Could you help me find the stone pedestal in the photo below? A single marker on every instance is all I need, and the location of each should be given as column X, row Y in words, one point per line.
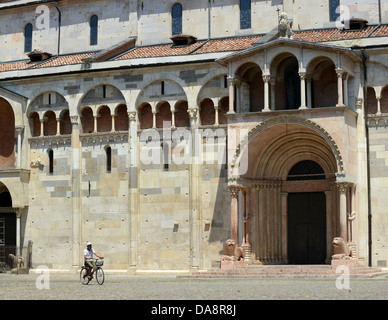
column 230, row 265
column 350, row 263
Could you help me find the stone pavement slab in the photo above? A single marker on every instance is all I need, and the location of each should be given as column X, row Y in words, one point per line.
column 167, row 288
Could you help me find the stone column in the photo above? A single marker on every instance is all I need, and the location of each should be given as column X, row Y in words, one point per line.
column 309, row 92
column 266, row 79
column 42, row 121
column 238, row 95
column 340, row 72
column 58, row 126
column 133, row 189
column 329, row 227
column 378, row 106
column 113, row 123
column 346, row 93
column 272, row 82
column 195, row 193
column 342, row 188
column 302, row 76
column 216, row 120
column 95, row 123
column 76, row 191
column 261, row 210
column 231, row 94
column 246, row 223
column 18, row 213
column 284, row 205
column 154, row 119
column 234, row 191
column 19, row 131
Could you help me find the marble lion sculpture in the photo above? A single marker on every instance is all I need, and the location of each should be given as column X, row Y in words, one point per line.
column 341, row 249
column 232, row 252
column 284, row 26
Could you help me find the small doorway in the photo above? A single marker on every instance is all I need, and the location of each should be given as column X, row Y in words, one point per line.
column 307, row 228
column 7, row 229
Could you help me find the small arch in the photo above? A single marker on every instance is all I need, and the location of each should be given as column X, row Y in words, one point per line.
column 35, row 124
column 7, row 134
column 384, row 100
column 371, row 101
column 252, row 87
column 207, row 112
column 87, row 120
column 164, row 114
column 223, row 105
column 121, row 118
column 182, row 118
column 49, row 123
column 323, row 77
column 145, row 116
column 65, row 123
column 104, row 119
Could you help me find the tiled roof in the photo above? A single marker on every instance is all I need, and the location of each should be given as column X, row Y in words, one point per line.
column 203, row 46
column 52, row 62
column 335, row 34
column 232, row 44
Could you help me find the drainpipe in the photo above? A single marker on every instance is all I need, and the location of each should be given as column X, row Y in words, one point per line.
column 59, row 27
column 380, row 12
column 209, row 19
column 365, row 70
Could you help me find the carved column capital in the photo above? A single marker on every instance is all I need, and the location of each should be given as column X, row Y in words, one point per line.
column 19, row 129
column 342, row 186
column 193, row 113
column 339, row 72
column 132, row 116
column 234, row 191
column 74, row 119
column 266, row 78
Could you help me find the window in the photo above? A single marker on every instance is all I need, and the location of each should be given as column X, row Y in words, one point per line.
column 51, row 161
column 176, row 19
column 333, row 5
column 93, row 30
column 108, row 151
column 245, row 14
column 28, row 38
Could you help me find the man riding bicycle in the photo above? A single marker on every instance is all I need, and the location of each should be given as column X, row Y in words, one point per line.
column 88, row 259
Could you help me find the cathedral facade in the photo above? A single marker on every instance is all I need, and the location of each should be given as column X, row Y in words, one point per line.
column 157, row 130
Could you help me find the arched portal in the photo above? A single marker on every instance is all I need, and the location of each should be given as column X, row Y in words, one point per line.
column 292, row 194
column 7, row 134
column 7, row 226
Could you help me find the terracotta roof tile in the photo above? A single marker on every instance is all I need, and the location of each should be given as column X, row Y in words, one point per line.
column 338, row 34
column 163, row 50
column 202, row 46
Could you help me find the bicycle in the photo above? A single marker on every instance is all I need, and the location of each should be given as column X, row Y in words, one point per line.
column 98, row 272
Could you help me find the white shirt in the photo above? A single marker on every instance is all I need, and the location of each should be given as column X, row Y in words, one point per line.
column 88, row 254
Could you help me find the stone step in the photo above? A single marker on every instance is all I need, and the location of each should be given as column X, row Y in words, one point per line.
column 285, row 271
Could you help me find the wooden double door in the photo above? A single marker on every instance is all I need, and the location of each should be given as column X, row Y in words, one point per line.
column 306, row 228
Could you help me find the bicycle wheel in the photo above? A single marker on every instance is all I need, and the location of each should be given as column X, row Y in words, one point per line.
column 100, row 276
column 83, row 275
